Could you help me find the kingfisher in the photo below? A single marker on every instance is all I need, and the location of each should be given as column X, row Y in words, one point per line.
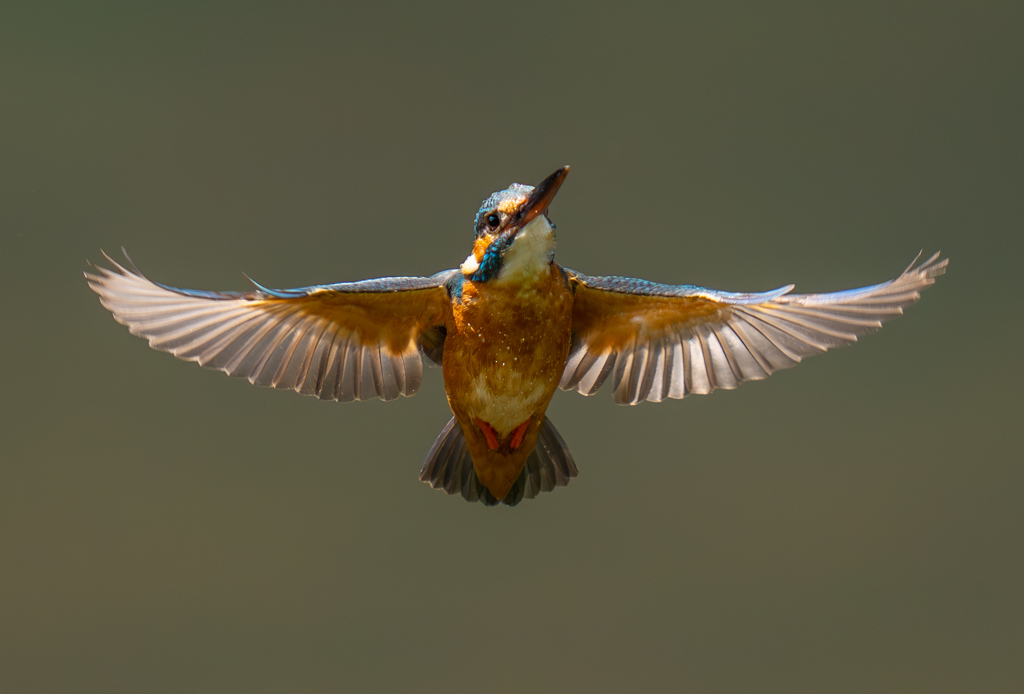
column 508, row 327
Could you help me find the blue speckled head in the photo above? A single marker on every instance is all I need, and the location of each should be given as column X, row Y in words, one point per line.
column 500, row 219
column 506, row 201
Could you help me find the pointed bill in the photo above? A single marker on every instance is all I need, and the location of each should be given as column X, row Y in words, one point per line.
column 541, row 197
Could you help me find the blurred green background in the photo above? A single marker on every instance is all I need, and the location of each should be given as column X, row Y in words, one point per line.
column 852, row 525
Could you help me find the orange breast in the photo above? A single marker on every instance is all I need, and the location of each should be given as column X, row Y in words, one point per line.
column 503, row 357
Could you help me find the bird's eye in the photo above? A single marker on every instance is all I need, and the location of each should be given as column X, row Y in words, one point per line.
column 493, row 220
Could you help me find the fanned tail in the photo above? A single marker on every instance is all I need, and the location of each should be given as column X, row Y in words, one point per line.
column 449, row 466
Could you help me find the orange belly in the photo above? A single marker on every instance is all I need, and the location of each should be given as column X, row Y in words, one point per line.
column 503, row 358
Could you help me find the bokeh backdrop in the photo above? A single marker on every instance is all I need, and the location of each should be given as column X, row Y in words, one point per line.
column 852, row 525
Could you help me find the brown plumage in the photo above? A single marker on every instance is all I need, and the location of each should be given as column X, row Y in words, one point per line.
column 509, row 326
column 503, row 358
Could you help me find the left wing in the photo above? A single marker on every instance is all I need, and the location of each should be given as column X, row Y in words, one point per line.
column 347, row 341
column 660, row 341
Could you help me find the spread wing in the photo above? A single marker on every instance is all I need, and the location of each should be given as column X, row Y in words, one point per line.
column 660, row 341
column 348, row 341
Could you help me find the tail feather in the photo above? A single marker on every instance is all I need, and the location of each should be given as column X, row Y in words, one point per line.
column 449, row 466
column 550, row 464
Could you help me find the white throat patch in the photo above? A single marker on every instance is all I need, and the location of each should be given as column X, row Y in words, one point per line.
column 531, row 252
column 470, row 265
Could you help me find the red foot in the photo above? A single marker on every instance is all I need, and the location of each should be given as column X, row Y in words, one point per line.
column 519, row 433
column 492, row 437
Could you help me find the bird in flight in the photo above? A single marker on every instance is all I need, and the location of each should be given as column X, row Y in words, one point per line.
column 508, row 327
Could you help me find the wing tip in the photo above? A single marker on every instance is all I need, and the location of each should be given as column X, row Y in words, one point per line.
column 931, row 268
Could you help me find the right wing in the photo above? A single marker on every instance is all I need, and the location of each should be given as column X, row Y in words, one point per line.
column 659, row 341
column 347, row 341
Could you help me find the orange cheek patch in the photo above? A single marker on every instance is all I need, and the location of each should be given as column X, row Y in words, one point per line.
column 480, row 247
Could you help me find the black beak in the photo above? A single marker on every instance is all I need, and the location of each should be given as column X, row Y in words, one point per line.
column 541, row 198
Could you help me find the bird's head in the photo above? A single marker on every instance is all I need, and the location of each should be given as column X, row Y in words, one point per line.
column 514, row 238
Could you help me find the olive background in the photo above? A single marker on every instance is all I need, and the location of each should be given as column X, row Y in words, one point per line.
column 852, row 525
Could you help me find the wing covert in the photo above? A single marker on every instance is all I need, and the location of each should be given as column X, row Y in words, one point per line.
column 659, row 341
column 347, row 341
